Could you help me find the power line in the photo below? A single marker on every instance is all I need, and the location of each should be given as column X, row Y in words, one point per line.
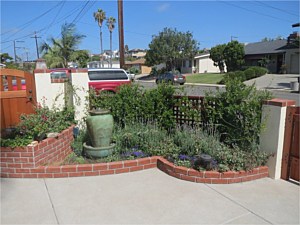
column 253, row 11
column 36, row 45
column 281, row 10
column 31, row 21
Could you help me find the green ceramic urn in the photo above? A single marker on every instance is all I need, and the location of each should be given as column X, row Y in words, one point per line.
column 100, row 127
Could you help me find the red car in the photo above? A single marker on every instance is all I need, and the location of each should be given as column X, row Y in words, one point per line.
column 107, row 79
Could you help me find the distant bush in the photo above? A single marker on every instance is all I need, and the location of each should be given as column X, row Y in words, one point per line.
column 247, row 74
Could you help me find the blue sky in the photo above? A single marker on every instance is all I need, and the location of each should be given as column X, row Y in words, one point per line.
column 211, row 22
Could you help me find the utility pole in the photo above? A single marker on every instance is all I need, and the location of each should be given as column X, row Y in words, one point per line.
column 36, row 44
column 15, row 47
column 121, row 33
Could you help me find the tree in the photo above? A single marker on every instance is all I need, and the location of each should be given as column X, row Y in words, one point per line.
column 234, row 55
column 5, row 57
column 110, row 23
column 171, row 46
column 81, row 57
column 100, row 16
column 59, row 54
column 217, row 55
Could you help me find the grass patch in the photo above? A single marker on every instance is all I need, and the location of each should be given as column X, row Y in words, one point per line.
column 206, row 78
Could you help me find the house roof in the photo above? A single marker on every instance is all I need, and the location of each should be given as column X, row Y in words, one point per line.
column 138, row 61
column 265, row 47
column 202, row 55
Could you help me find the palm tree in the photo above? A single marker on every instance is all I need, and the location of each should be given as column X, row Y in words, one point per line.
column 100, row 17
column 111, row 25
column 59, row 54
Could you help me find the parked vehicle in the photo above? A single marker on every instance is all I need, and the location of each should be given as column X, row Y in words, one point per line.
column 171, row 77
column 107, row 79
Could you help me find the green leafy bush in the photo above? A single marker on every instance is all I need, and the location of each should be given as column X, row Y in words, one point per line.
column 237, row 113
column 250, row 73
column 131, row 103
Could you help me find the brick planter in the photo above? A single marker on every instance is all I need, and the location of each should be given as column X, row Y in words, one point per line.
column 16, row 162
column 17, row 168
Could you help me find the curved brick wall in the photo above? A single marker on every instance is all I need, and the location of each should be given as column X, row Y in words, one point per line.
column 29, row 161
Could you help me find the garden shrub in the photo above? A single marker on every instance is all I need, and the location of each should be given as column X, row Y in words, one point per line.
column 259, row 71
column 237, row 113
column 36, row 126
column 131, row 104
column 250, row 73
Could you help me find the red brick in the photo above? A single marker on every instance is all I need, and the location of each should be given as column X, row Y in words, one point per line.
column 173, row 174
column 212, row 174
column 13, row 154
column 115, row 165
column 124, row 170
column 50, row 141
column 130, row 163
column 45, row 175
column 53, row 169
column 22, row 170
column 30, row 175
column 20, row 149
column 3, row 165
column 192, row 172
column 60, row 175
column 3, row 154
column 107, row 172
column 256, row 176
column 15, row 175
column 38, row 170
column 7, row 170
column 27, row 165
column 4, row 175
column 7, row 160
column 203, row 180
column 95, row 173
column 153, row 159
column 21, row 160
column 241, row 173
column 76, row 174
column 263, row 169
column 26, row 154
column 71, row 168
column 6, row 149
column 14, row 165
column 262, row 175
column 136, row 168
column 253, row 171
column 42, row 144
column 143, row 161
column 228, row 174
column 219, row 181
column 188, row 178
column 234, row 180
column 87, row 167
column 247, row 178
column 181, row 170
column 149, row 166
column 100, row 166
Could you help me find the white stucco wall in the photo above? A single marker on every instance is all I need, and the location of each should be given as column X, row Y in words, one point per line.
column 271, row 139
column 47, row 92
column 206, row 65
column 292, row 61
column 80, row 83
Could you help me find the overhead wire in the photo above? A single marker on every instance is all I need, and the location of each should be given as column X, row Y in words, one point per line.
column 253, row 11
column 273, row 7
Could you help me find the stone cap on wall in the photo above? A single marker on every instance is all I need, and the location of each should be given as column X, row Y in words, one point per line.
column 279, row 102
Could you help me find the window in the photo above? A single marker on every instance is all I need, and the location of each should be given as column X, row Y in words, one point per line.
column 107, row 75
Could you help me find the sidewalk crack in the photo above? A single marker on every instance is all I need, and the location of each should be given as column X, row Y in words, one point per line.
column 51, row 202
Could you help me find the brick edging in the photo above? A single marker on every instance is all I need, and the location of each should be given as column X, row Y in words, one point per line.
column 97, row 169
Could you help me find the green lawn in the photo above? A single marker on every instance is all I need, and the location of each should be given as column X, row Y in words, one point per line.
column 204, row 78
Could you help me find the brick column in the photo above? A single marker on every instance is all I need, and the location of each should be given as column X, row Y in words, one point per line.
column 272, row 137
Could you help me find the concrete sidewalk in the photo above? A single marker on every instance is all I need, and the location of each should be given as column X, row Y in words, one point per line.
column 146, row 197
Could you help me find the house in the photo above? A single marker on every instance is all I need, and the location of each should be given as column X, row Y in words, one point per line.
column 140, row 65
column 204, row 64
column 283, row 55
column 106, row 64
column 137, row 53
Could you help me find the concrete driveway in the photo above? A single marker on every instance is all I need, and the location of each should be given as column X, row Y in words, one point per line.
column 146, row 197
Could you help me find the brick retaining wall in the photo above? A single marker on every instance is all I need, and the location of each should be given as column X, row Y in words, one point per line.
column 20, row 160
column 17, row 164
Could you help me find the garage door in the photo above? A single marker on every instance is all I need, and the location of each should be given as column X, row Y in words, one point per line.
column 295, row 63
